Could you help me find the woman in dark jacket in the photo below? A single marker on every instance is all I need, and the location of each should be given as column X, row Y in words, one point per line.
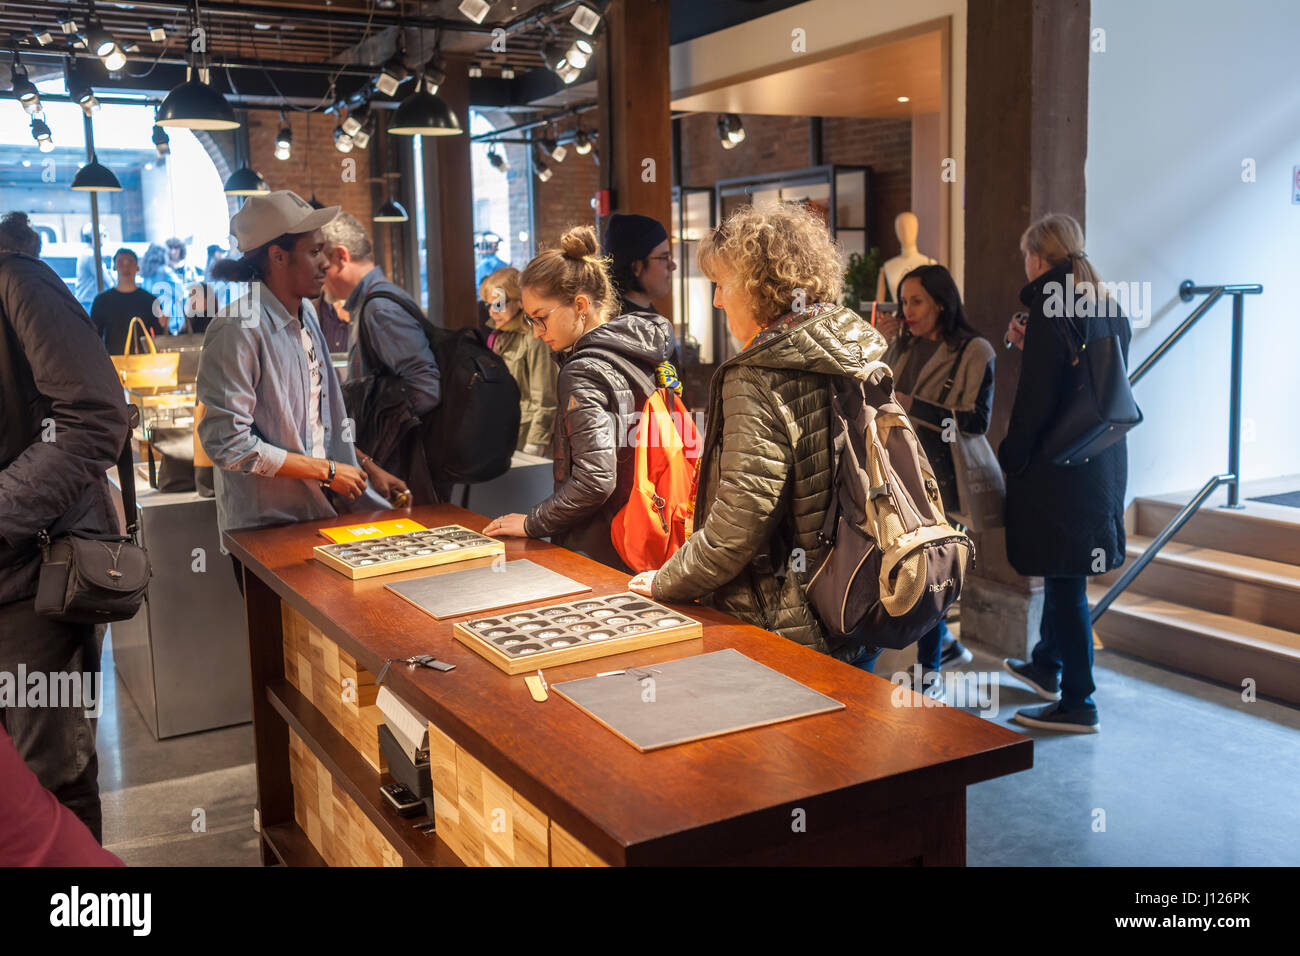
column 1064, row 523
column 608, row 365
column 766, row 468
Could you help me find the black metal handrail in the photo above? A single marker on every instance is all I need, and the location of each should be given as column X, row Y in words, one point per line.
column 1232, row 478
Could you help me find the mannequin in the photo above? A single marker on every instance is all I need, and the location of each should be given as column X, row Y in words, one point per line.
column 906, row 227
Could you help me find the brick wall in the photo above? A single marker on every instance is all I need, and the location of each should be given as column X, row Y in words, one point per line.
column 314, row 163
column 776, row 144
column 565, row 200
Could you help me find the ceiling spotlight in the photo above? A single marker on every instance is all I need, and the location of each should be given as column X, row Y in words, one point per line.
column 541, row 169
column 507, row 73
column 475, row 70
column 131, row 48
column 68, row 24
column 579, row 54
column 95, row 178
column 904, row 99
column 362, row 138
column 391, row 211
column 392, row 75
column 475, row 10
column 568, row 72
column 553, row 149
column 283, row 139
column 582, row 143
column 161, row 141
column 105, row 46
column 156, row 31
column 25, row 91
column 585, row 19
column 352, row 125
column 79, row 90
column 78, row 41
column 245, row 182
column 498, row 161
column 41, row 133
column 731, row 131
column 553, row 55
column 44, row 37
column 342, row 141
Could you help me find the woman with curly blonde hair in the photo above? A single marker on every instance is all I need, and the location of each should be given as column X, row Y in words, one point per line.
column 766, row 469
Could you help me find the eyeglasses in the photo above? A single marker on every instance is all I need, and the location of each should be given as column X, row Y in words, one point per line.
column 665, row 258
column 539, row 321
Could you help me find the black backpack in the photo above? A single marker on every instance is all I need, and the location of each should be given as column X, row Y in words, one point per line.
column 470, row 437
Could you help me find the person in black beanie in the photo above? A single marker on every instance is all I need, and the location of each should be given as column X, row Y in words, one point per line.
column 641, row 261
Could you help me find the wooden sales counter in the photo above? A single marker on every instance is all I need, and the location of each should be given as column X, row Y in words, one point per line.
column 518, row 782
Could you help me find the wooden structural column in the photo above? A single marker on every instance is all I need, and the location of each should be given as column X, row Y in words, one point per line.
column 1026, row 143
column 635, row 117
column 449, row 211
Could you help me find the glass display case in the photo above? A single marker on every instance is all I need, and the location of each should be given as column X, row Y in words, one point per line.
column 839, row 194
column 692, row 219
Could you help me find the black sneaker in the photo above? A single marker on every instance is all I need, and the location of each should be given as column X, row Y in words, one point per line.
column 955, row 653
column 1056, row 717
column 1048, row 688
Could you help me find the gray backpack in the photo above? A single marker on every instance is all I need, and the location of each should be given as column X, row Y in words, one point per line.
column 895, row 564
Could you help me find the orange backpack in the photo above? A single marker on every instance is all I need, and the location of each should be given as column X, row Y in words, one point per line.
column 654, row 523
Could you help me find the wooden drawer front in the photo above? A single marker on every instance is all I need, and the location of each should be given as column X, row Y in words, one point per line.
column 334, row 824
column 333, row 681
column 485, row 822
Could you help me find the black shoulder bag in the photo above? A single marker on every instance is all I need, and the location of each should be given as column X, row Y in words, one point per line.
column 89, row 578
column 1097, row 408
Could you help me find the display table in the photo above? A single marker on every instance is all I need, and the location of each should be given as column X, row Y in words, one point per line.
column 183, row 658
column 527, row 783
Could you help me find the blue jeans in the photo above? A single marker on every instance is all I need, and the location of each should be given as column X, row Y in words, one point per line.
column 1065, row 640
column 929, row 647
column 865, row 658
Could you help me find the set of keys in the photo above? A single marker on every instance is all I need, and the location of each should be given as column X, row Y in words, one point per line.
column 419, row 660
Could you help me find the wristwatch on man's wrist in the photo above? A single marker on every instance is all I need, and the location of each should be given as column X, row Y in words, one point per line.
column 326, row 482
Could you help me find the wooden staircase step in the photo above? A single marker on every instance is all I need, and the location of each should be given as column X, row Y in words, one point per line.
column 1260, row 531
column 1222, row 582
column 1203, row 643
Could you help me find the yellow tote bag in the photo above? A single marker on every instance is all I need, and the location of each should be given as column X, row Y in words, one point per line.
column 152, row 369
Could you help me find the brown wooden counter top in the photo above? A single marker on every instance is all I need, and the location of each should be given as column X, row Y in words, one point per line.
column 864, row 777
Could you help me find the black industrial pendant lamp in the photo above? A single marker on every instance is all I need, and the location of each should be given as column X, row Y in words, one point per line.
column 195, row 104
column 423, row 114
column 94, row 177
column 391, row 211
column 245, row 182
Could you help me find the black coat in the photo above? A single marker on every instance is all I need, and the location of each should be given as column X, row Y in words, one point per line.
column 63, row 421
column 595, row 434
column 1058, row 517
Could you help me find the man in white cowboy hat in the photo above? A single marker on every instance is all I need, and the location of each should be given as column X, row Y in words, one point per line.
column 275, row 425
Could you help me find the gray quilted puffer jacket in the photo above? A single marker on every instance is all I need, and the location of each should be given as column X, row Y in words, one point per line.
column 593, row 467
column 765, row 475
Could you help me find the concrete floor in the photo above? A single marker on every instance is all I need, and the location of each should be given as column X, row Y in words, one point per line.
column 1184, row 773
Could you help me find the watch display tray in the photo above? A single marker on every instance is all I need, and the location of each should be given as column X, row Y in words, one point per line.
column 371, row 557
column 580, row 630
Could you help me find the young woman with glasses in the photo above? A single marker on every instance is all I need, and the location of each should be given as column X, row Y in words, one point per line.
column 607, row 362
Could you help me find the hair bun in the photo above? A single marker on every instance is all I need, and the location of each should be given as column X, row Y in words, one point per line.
column 579, row 242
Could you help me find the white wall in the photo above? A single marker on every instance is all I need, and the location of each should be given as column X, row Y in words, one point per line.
column 1186, row 90
column 766, row 41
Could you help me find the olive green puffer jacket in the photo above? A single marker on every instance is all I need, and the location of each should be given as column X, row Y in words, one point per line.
column 765, row 476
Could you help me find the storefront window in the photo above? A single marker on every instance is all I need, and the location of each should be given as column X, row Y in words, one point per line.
column 502, row 204
column 178, row 196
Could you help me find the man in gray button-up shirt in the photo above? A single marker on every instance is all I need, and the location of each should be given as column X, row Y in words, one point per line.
column 277, row 451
